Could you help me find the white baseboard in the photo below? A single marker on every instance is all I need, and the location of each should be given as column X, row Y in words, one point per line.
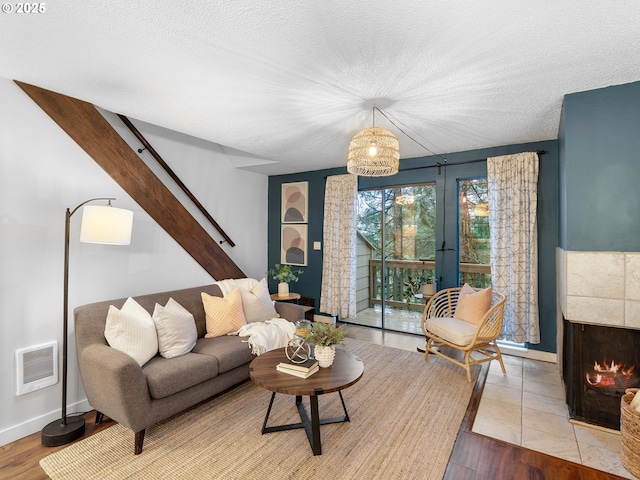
column 528, row 353
column 324, row 318
column 16, row 432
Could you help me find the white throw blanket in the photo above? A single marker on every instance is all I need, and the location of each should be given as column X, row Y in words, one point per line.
column 226, row 286
column 267, row 335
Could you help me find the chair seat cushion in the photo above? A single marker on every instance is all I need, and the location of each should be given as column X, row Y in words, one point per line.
column 452, row 329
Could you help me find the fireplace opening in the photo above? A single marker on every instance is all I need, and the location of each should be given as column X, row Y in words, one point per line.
column 599, row 364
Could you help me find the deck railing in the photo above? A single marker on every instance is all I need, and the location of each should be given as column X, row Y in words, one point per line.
column 397, row 272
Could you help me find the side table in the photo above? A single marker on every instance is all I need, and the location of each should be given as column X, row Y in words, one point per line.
column 292, row 297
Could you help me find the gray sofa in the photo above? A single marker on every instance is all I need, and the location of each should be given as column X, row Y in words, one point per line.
column 138, row 397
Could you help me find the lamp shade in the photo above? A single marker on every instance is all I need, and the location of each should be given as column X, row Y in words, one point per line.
column 106, row 224
column 374, row 152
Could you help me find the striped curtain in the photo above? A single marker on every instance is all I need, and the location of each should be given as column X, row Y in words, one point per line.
column 513, row 204
column 338, row 292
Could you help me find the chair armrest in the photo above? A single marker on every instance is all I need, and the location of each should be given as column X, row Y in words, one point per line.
column 491, row 325
column 290, row 311
column 442, row 304
column 115, row 385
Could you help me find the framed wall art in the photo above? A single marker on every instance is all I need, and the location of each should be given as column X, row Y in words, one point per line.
column 293, row 250
column 295, row 202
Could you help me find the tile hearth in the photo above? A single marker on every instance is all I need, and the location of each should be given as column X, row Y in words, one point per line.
column 527, row 407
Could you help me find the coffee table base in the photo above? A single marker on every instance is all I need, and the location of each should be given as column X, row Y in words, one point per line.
column 311, row 426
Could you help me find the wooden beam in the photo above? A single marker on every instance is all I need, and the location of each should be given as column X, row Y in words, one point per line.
column 91, row 131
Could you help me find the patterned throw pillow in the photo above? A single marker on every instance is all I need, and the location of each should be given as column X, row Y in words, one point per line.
column 224, row 315
column 472, row 305
column 132, row 331
column 177, row 333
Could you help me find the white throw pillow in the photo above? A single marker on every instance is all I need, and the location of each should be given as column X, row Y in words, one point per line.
column 257, row 303
column 176, row 327
column 132, row 331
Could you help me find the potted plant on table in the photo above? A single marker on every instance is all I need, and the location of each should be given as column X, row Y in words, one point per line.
column 325, row 337
column 429, row 286
column 412, row 287
column 284, row 274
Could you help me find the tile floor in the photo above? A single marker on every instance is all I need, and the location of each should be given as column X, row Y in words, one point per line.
column 527, row 407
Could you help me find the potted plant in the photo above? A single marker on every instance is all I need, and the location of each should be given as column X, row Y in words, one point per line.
column 429, row 286
column 325, row 337
column 412, row 286
column 284, row 274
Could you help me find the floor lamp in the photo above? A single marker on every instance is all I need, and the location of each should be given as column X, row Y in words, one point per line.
column 100, row 224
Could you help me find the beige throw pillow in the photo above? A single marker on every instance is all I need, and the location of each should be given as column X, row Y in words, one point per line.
column 132, row 331
column 176, row 327
column 472, row 305
column 257, row 303
column 224, row 315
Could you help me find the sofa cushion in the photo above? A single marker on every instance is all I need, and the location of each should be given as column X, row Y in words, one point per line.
column 230, row 351
column 224, row 315
column 132, row 331
column 166, row 376
column 451, row 329
column 177, row 333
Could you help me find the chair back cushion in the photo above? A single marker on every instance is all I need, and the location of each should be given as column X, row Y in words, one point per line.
column 472, row 305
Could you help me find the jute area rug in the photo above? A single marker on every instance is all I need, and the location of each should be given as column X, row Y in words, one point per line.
column 405, row 414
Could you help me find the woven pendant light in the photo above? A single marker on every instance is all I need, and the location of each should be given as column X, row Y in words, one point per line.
column 374, row 152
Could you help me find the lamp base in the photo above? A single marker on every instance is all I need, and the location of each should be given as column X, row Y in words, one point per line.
column 56, row 433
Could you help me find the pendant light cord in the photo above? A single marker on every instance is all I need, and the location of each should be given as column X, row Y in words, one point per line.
column 405, row 133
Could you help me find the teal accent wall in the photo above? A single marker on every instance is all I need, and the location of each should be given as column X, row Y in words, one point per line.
column 599, row 169
column 423, row 170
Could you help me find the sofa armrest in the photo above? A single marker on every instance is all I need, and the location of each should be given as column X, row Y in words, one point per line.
column 290, row 311
column 115, row 385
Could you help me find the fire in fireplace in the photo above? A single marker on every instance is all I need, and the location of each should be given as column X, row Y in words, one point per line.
column 599, row 364
column 611, row 376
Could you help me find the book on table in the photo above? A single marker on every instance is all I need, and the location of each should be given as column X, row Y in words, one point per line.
column 301, row 367
column 297, row 373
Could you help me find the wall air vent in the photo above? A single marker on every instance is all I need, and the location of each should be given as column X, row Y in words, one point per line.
column 36, row 367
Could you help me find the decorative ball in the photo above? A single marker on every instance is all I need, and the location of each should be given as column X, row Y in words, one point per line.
column 298, row 350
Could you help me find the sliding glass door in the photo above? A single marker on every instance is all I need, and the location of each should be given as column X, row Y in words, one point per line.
column 473, row 233
column 396, row 255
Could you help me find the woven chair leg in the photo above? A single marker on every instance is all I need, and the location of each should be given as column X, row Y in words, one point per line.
column 467, row 367
column 499, row 357
column 427, row 348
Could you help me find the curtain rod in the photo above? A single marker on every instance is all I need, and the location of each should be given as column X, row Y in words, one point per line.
column 438, row 165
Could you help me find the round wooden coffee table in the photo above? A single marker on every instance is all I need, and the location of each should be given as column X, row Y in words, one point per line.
column 346, row 370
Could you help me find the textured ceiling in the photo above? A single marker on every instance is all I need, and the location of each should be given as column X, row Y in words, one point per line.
column 283, row 85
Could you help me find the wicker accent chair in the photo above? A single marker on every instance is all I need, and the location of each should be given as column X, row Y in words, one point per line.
column 441, row 329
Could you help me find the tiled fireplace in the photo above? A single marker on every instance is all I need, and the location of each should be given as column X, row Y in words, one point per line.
column 599, row 294
column 600, row 364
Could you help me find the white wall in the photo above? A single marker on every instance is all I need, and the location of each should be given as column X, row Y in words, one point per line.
column 42, row 172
